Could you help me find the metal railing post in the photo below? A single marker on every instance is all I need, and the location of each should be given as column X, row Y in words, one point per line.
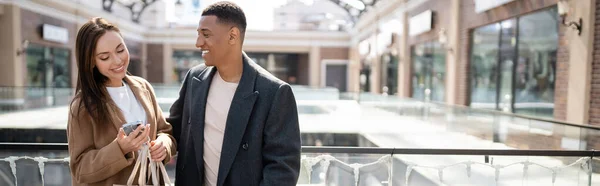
column 591, row 168
column 391, row 180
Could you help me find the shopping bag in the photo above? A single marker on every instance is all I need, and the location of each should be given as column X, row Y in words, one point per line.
column 148, row 169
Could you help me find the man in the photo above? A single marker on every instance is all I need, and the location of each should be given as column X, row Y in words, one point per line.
column 235, row 123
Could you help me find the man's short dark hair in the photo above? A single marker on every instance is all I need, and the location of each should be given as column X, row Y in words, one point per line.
column 228, row 13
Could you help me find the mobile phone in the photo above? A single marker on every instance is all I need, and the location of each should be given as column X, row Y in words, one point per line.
column 131, row 126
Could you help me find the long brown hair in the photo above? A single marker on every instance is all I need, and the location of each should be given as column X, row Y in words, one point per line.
column 91, row 90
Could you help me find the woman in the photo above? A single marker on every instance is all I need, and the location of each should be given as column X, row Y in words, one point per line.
column 105, row 99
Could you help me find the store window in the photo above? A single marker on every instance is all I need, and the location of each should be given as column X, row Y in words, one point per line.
column 484, row 64
column 135, row 63
column 135, row 67
column 429, row 71
column 184, row 60
column 48, row 76
column 281, row 65
column 390, row 68
column 513, row 64
column 48, row 67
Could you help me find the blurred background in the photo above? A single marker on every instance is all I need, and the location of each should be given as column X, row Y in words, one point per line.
column 409, row 92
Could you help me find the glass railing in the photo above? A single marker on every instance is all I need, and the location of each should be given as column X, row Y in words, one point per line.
column 496, row 127
column 387, row 118
column 14, row 99
column 420, row 167
column 47, row 164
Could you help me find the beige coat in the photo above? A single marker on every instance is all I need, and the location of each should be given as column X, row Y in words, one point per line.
column 96, row 158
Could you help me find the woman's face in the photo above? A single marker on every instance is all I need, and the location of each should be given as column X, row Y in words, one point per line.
column 112, row 57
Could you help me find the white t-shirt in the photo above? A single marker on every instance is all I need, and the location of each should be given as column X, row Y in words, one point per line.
column 218, row 102
column 130, row 107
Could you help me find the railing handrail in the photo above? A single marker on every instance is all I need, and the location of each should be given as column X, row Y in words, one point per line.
column 34, row 146
column 423, row 151
column 504, row 113
column 366, row 150
column 525, row 117
column 27, row 86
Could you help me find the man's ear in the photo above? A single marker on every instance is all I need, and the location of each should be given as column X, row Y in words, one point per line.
column 234, row 35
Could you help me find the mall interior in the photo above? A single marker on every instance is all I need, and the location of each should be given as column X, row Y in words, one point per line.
column 389, row 92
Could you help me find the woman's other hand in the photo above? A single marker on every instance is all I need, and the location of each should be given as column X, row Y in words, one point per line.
column 158, row 151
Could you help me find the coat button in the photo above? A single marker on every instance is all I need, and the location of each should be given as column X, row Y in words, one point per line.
column 245, row 146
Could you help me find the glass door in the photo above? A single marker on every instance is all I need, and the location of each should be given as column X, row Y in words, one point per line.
column 429, row 70
column 508, row 44
column 419, row 76
column 438, row 72
column 513, row 64
column 48, row 75
column 60, row 68
column 484, row 66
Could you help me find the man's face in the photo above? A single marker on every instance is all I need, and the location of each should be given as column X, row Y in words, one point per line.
column 213, row 39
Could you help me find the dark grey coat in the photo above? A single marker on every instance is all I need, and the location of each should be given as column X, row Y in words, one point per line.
column 261, row 145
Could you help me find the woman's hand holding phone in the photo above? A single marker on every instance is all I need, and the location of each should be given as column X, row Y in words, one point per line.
column 133, row 142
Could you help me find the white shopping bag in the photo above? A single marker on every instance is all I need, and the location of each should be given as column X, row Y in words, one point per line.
column 146, row 169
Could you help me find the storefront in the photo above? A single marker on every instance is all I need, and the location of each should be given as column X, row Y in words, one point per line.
column 513, row 64
column 48, row 59
column 388, row 59
column 289, row 67
column 48, row 66
column 365, row 65
column 429, row 71
column 389, row 68
column 184, row 60
column 48, row 50
column 136, row 64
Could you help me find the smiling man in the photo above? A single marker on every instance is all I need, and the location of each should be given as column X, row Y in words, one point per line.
column 235, row 123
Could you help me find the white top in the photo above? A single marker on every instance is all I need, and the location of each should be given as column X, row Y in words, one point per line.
column 130, row 107
column 218, row 102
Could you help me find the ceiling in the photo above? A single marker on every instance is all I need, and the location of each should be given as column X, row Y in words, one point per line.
column 356, row 8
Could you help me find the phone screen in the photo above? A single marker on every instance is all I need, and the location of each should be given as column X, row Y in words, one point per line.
column 131, row 126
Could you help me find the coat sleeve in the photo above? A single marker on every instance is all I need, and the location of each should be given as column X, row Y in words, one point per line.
column 176, row 111
column 90, row 164
column 164, row 129
column 281, row 149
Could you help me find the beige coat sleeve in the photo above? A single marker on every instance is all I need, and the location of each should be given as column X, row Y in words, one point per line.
column 89, row 164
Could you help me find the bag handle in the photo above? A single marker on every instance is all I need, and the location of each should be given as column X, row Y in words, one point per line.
column 141, row 164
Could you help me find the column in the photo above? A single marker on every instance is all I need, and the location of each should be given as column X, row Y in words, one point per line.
column 144, row 60
column 168, row 64
column 580, row 61
column 375, row 66
column 405, row 60
column 354, row 69
column 452, row 56
column 271, row 63
column 314, row 66
column 11, row 73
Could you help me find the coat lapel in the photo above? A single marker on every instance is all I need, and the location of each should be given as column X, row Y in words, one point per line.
column 237, row 118
column 115, row 114
column 200, row 86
